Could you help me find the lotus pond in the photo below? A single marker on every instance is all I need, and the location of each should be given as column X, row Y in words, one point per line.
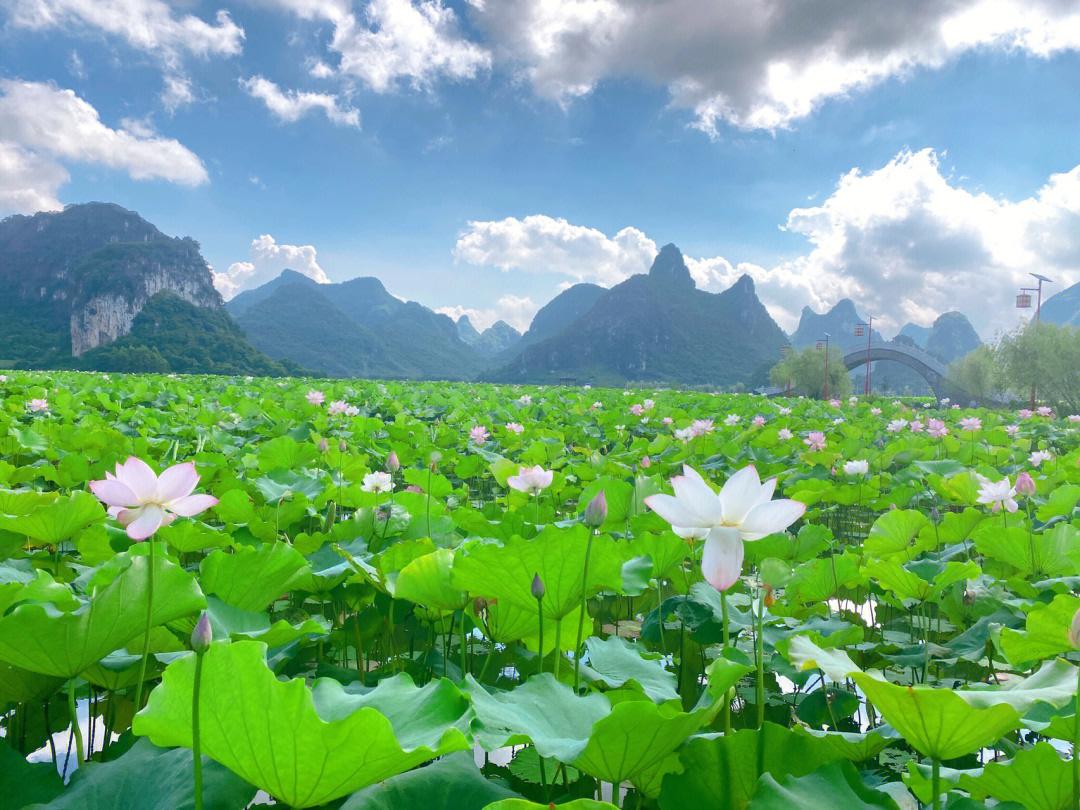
column 452, row 597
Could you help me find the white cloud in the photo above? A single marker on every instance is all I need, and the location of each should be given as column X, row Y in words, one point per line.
column 293, row 105
column 178, row 92
column 147, row 25
column 758, row 65
column 515, row 310
column 266, row 261
column 41, row 124
column 904, row 242
column 394, row 41
column 543, row 244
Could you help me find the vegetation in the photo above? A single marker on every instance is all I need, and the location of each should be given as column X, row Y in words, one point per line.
column 1047, row 357
column 805, row 370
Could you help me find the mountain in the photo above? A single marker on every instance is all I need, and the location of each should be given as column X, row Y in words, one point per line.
column 951, row 337
column 839, row 323
column 497, row 338
column 171, row 334
column 560, row 312
column 658, row 327
column 466, row 331
column 1063, row 308
column 916, row 334
column 354, row 328
column 77, row 279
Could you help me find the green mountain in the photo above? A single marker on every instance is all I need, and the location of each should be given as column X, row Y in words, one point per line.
column 839, row 323
column 658, row 327
column 466, row 331
column 75, row 280
column 1063, row 308
column 497, row 338
column 916, row 334
column 951, row 337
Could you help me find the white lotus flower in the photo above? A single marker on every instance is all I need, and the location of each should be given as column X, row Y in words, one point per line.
column 533, row 480
column 857, row 467
column 377, row 482
column 743, row 511
column 997, row 494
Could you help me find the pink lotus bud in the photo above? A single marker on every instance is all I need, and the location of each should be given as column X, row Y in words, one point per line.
column 596, row 511
column 1025, row 484
column 392, row 463
column 202, row 635
column 1074, row 630
column 342, row 447
column 538, row 587
column 323, row 446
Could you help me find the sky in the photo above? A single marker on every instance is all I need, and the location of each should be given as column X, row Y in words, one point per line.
column 479, row 156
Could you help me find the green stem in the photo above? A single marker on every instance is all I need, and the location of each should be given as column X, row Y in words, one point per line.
column 487, row 661
column 935, row 782
column 727, row 644
column 759, row 659
column 464, row 662
column 558, row 647
column 149, row 620
column 540, row 611
column 581, row 616
column 1076, row 747
column 196, row 747
column 75, row 723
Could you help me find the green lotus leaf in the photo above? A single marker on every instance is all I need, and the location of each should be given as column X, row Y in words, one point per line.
column 252, row 577
column 1053, row 683
column 1046, row 634
column 615, row 662
column 18, row 685
column 56, row 522
column 525, row 804
column 40, row 638
column 666, row 550
column 853, row 746
column 452, row 783
column 227, row 621
column 23, row 501
column 284, row 452
column 896, row 535
column 832, row 786
column 619, row 496
column 21, row 582
column 505, row 572
column 1060, row 503
column 723, row 771
column 1037, row 778
column 149, row 778
column 820, row 579
column 804, row 654
column 23, row 783
column 905, row 583
column 1042, row 554
column 279, row 484
column 303, row 746
column 427, row 581
column 188, row 536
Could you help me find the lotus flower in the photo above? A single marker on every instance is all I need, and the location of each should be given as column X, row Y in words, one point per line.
column 478, row 434
column 315, row 397
column 514, row 427
column 758, row 420
column 743, row 511
column 936, row 429
column 377, row 482
column 648, row 404
column 785, row 411
column 525, row 399
column 39, row 405
column 1012, row 430
column 1025, row 484
column 875, row 411
column 1025, row 413
column 143, row 501
column 336, row 407
column 784, row 434
column 1045, row 410
column 1039, row 456
column 532, row 480
column 684, row 434
column 815, row 440
column 702, row 426
column 857, row 467
column 896, row 425
column 1073, row 418
column 971, row 423
column 732, row 419
column 998, row 494
column 636, row 409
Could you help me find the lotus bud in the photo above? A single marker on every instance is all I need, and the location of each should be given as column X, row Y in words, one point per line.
column 342, row 447
column 323, row 445
column 392, row 463
column 596, row 511
column 935, row 515
column 202, row 635
column 1025, row 484
column 1074, row 630
column 538, row 587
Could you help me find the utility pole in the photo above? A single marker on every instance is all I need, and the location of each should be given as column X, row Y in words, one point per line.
column 869, row 333
column 1023, row 301
column 826, row 365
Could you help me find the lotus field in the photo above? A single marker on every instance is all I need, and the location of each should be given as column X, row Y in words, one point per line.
column 224, row 592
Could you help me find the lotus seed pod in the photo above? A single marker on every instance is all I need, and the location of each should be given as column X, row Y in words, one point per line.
column 202, row 635
column 537, row 587
column 596, row 511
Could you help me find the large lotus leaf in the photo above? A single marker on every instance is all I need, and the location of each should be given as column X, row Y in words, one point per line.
column 40, row 638
column 426, row 581
column 556, row 554
column 187, row 536
column 18, row 685
column 1046, row 634
column 1042, row 554
column 58, row 521
column 542, row 711
column 1062, row 501
column 722, row 772
column 832, row 786
column 896, row 535
column 150, row 778
column 905, row 583
column 280, row 485
column 619, row 496
column 820, row 579
column 615, row 662
column 23, row 783
column 289, row 748
column 452, row 783
column 21, row 582
column 666, row 550
column 328, row 566
column 853, row 746
column 252, row 577
column 525, row 804
column 23, row 501
column 286, row 453
column 804, row 654
column 1037, row 778
column 1053, row 683
column 227, row 621
column 937, row 722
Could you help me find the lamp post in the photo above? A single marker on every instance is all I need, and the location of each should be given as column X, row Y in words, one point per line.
column 1023, row 301
column 869, row 327
column 784, row 352
column 826, row 395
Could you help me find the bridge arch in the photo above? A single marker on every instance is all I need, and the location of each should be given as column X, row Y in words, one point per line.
column 926, row 365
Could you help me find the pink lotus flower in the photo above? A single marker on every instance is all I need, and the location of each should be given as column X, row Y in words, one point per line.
column 1073, row 418
column 514, row 427
column 336, row 407
column 896, row 425
column 916, row 426
column 955, row 407
column 758, row 420
column 39, row 405
column 1012, row 430
column 998, row 494
column 525, row 399
column 936, row 428
column 1025, row 413
column 667, row 420
column 636, row 409
column 478, row 434
column 314, row 397
column 532, row 480
column 646, row 461
column 971, row 423
column 702, row 426
column 1044, row 410
column 784, row 434
column 815, row 440
column 1039, row 456
column 876, row 411
column 1025, row 484
column 143, row 502
column 835, row 403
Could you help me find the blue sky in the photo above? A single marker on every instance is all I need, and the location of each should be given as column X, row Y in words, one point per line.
column 481, row 157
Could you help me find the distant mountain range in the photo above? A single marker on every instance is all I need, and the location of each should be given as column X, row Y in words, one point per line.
column 1063, row 308
column 97, row 286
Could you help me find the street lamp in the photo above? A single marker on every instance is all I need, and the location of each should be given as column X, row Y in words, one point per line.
column 869, row 329
column 819, row 343
column 1023, row 301
column 784, row 352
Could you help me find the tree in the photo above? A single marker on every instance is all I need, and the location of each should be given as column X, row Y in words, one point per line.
column 1047, row 356
column 806, row 371
column 979, row 373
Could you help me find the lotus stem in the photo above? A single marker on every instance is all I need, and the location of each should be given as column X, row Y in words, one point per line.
column 464, row 661
column 149, row 620
column 727, row 643
column 935, row 781
column 558, row 647
column 196, row 747
column 1076, row 747
column 759, row 658
column 581, row 616
column 540, row 611
column 80, row 754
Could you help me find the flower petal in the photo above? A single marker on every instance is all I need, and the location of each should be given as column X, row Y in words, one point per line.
column 191, row 505
column 696, row 496
column 769, row 518
column 139, row 477
column 146, row 523
column 721, row 561
column 740, row 494
column 112, row 492
column 673, row 511
column 176, row 482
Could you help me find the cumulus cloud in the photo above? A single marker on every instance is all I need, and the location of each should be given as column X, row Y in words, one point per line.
column 394, row 41
column 266, row 261
column 293, row 105
column 544, row 244
column 904, row 242
column 178, row 92
column 147, row 25
column 42, row 124
column 516, row 311
column 758, row 65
